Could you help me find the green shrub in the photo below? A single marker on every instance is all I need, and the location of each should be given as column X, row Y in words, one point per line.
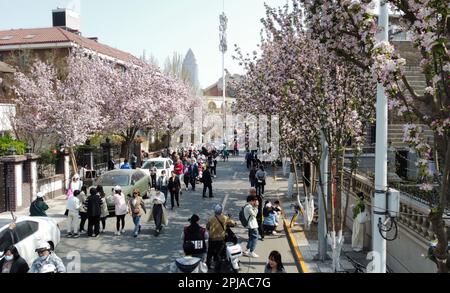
column 7, row 142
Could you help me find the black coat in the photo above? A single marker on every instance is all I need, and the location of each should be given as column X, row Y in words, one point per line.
column 19, row 266
column 206, row 177
column 174, row 184
column 93, row 204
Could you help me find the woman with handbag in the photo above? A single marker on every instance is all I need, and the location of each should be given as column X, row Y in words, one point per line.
column 174, row 188
column 219, row 234
column 137, row 210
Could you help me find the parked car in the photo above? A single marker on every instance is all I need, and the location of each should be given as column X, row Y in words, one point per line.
column 26, row 235
column 160, row 164
column 127, row 179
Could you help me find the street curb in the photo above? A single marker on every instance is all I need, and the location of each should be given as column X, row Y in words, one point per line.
column 300, row 262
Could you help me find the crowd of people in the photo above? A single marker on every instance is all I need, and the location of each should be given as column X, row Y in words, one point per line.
column 204, row 247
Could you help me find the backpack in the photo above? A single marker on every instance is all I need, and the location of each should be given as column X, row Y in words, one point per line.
column 242, row 218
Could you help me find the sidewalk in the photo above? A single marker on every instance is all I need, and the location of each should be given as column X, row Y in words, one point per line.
column 275, row 190
column 57, row 207
column 307, row 243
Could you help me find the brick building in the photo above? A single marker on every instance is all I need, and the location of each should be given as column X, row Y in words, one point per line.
column 20, row 47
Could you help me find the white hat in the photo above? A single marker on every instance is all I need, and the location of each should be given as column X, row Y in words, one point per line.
column 40, row 194
column 43, row 245
column 117, row 188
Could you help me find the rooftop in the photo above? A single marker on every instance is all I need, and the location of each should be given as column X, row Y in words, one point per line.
column 57, row 35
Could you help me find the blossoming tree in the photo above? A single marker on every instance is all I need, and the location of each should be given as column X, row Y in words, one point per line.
column 348, row 28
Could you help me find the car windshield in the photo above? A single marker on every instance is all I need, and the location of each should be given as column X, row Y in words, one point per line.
column 113, row 180
column 150, row 164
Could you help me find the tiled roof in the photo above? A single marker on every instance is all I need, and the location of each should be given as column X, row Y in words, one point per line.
column 59, row 35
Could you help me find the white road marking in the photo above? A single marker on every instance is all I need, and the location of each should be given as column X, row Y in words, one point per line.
column 224, row 202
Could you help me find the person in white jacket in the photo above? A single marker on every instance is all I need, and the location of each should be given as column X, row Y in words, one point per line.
column 158, row 211
column 73, row 222
column 250, row 213
column 121, row 209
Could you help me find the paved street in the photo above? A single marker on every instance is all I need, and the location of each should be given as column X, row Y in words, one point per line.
column 148, row 254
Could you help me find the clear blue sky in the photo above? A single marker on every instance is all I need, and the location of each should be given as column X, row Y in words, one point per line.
column 161, row 27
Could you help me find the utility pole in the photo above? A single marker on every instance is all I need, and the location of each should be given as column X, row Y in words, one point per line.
column 223, row 49
column 379, row 199
column 323, row 198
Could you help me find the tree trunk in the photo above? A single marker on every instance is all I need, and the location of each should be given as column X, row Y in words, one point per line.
column 347, row 195
column 324, row 203
column 436, row 218
column 73, row 161
column 296, row 177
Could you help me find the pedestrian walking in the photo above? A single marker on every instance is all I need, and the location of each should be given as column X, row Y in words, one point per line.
column 217, row 229
column 162, row 185
column 248, row 159
column 207, row 183
column 274, row 265
column 193, row 173
column 134, row 161
column 250, row 213
column 137, row 209
column 174, row 186
column 260, row 180
column 214, row 165
column 197, row 235
column 179, row 169
column 252, row 176
column 38, row 207
column 158, row 199
column 94, row 211
column 120, row 208
column 153, row 172
column 73, row 222
column 83, row 211
column 12, row 262
column 105, row 212
column 187, row 175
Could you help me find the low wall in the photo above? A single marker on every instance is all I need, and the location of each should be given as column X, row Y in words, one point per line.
column 52, row 187
column 406, row 253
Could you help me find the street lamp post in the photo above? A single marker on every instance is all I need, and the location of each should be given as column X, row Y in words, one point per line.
column 223, row 49
column 379, row 199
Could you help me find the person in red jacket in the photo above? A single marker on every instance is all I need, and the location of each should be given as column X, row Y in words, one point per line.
column 179, row 169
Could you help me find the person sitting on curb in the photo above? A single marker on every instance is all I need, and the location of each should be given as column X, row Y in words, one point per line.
column 38, row 206
column 270, row 220
column 188, row 264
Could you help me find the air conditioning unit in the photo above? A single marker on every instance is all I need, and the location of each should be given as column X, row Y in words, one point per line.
column 393, row 207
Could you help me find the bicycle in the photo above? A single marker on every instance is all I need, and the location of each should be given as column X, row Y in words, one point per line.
column 359, row 268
